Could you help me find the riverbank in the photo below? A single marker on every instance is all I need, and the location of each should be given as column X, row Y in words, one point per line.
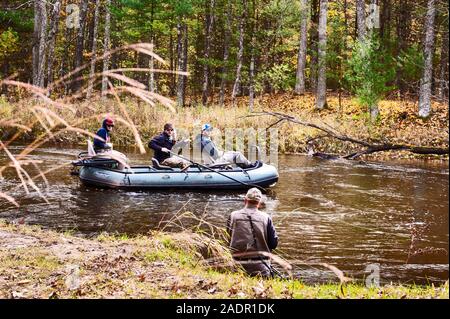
column 37, row 263
column 398, row 122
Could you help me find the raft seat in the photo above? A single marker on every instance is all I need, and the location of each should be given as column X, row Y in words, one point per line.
column 158, row 166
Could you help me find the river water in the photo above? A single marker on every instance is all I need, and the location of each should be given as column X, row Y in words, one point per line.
column 359, row 217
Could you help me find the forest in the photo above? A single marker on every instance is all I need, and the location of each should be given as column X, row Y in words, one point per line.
column 370, row 49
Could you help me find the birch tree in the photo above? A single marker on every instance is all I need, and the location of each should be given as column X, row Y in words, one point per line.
column 94, row 50
column 361, row 19
column 182, row 43
column 425, row 81
column 106, row 46
column 40, row 39
column 52, row 40
column 321, row 98
column 301, row 58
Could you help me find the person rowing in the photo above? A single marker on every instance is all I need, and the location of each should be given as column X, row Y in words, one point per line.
column 162, row 144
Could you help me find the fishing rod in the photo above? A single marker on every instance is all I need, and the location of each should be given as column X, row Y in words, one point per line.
column 212, row 170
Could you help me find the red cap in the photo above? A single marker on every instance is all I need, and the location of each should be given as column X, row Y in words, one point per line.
column 109, row 121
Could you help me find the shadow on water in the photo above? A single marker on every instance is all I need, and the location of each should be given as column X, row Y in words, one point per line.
column 348, row 214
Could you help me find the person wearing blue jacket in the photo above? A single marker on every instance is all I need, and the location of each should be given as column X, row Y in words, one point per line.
column 103, row 144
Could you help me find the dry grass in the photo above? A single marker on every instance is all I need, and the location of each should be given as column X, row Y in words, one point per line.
column 44, row 119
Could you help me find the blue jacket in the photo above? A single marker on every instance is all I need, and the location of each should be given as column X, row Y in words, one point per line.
column 158, row 142
column 103, row 133
column 206, row 145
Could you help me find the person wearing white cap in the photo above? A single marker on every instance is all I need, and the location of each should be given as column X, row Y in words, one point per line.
column 210, row 154
column 252, row 234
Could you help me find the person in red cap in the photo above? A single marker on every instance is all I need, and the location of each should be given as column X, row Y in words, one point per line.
column 102, row 143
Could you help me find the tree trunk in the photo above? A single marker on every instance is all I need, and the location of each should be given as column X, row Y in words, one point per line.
column 361, row 19
column 385, row 20
column 226, row 49
column 106, row 46
column 40, row 39
column 52, row 40
column 443, row 68
column 94, row 50
column 251, row 86
column 313, row 40
column 321, row 99
column 80, row 45
column 65, row 63
column 208, row 34
column 185, row 58
column 370, row 147
column 240, row 53
column 182, row 61
column 151, row 65
column 402, row 39
column 172, row 64
column 301, row 59
column 151, row 60
column 425, row 81
column 346, row 17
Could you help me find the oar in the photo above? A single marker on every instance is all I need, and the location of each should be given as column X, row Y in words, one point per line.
column 212, row 170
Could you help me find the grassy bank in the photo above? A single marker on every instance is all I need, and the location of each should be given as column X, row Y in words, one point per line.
column 36, row 263
column 398, row 121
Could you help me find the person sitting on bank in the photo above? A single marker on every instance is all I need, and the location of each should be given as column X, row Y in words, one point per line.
column 102, row 139
column 162, row 144
column 212, row 155
column 252, row 233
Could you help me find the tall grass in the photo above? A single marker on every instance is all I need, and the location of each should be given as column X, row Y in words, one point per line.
column 45, row 118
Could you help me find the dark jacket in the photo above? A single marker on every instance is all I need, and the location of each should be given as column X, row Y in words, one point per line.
column 103, row 133
column 206, row 146
column 158, row 142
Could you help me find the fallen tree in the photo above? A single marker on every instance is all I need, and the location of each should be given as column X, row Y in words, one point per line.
column 366, row 147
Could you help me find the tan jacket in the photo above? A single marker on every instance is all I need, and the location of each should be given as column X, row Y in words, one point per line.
column 251, row 230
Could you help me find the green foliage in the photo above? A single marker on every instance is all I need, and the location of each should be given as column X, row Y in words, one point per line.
column 410, row 61
column 370, row 70
column 9, row 43
column 280, row 77
column 18, row 20
column 338, row 42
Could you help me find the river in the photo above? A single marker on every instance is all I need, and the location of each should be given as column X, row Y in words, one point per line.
column 356, row 216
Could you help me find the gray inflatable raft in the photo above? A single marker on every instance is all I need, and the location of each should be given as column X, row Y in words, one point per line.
column 105, row 173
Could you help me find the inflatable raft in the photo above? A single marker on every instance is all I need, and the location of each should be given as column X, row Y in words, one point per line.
column 108, row 173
